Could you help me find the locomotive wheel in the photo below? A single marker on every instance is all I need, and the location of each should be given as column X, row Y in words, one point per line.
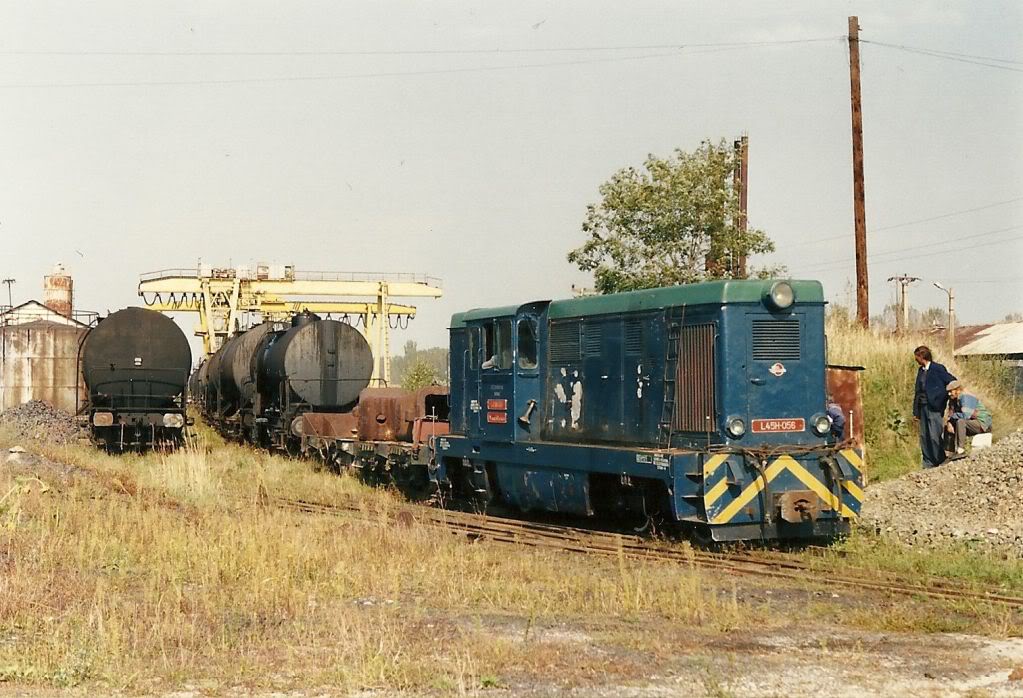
column 701, row 537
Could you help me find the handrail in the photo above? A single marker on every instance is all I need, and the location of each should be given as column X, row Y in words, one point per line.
column 232, row 272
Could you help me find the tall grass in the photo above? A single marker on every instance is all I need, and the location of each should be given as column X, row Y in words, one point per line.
column 145, row 573
column 888, row 383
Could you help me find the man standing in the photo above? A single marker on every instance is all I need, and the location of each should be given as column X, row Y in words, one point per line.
column 969, row 416
column 929, row 400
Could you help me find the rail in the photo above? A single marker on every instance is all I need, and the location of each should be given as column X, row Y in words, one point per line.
column 609, row 544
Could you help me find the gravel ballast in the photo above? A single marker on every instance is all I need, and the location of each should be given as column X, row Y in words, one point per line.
column 41, row 421
column 976, row 500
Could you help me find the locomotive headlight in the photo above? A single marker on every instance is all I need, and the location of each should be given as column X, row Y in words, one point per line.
column 173, row 421
column 781, row 295
column 736, row 427
column 103, row 419
column 821, row 424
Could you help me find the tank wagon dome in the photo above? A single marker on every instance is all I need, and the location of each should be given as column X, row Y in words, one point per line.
column 135, row 353
column 326, row 363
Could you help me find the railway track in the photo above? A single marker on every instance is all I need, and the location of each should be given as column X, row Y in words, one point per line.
column 569, row 539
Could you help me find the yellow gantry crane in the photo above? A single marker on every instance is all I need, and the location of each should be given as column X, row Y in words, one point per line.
column 225, row 298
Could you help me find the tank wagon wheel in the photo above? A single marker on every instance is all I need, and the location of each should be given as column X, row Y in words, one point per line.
column 374, row 471
column 413, row 482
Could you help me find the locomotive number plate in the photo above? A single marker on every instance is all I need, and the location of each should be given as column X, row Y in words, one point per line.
column 771, row 426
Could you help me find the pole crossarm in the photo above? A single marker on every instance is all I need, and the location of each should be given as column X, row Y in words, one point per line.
column 222, row 296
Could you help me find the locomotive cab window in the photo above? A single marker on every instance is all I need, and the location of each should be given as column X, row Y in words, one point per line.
column 489, row 341
column 474, row 348
column 504, row 344
column 497, row 345
column 527, row 343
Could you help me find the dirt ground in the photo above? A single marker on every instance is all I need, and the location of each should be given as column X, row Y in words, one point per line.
column 825, row 661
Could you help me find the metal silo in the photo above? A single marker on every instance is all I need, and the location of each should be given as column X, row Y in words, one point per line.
column 58, row 291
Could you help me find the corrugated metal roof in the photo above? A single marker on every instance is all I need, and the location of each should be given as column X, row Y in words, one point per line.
column 34, row 311
column 1002, row 339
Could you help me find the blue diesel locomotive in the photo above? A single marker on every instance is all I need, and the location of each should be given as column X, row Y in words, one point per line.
column 703, row 405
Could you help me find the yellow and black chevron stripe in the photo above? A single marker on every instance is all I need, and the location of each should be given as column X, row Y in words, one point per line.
column 724, row 498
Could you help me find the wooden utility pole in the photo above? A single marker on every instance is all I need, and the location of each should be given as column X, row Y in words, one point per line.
column 859, row 205
column 9, row 283
column 741, row 177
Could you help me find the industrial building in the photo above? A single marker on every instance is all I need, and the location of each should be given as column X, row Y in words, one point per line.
column 1002, row 342
column 39, row 347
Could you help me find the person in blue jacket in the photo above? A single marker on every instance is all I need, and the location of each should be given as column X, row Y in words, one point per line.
column 929, row 401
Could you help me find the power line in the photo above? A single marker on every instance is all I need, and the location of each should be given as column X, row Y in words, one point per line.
column 935, row 54
column 699, row 48
column 342, row 76
column 899, row 256
column 1007, row 280
column 708, row 48
column 424, row 52
column 845, row 236
column 947, row 215
column 838, row 263
column 943, row 52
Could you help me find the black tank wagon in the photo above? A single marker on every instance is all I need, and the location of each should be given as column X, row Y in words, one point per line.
column 135, row 363
column 315, row 366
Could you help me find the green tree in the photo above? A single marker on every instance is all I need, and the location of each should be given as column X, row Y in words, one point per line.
column 932, row 317
column 419, row 375
column 435, row 357
column 674, row 221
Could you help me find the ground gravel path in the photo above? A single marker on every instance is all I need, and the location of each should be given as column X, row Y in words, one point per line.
column 977, row 500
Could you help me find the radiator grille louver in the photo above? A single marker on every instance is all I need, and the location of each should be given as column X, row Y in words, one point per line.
column 633, row 337
column 565, row 343
column 776, row 340
column 695, row 379
column 593, row 340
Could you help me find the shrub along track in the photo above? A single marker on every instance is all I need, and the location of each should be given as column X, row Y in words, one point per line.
column 771, row 564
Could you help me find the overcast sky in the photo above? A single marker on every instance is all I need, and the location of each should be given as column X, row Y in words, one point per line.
column 127, row 144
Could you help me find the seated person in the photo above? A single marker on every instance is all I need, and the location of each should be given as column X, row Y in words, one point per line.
column 968, row 415
column 837, row 418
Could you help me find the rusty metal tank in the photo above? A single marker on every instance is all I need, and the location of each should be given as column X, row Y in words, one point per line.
column 58, row 291
column 39, row 361
column 135, row 358
column 323, row 363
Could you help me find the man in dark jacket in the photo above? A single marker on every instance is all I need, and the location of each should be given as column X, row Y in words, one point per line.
column 929, row 401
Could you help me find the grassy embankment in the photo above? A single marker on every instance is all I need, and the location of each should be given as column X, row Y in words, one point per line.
column 164, row 571
column 887, row 385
